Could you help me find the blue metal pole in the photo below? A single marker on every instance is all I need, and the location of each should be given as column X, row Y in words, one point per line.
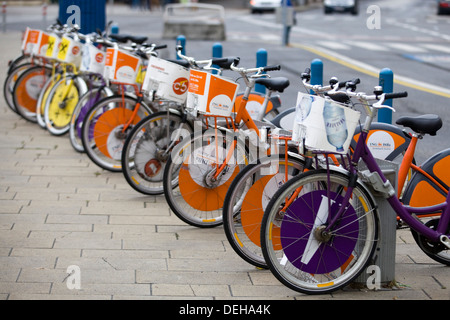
column 316, row 73
column 261, row 61
column 115, row 29
column 181, row 40
column 387, row 83
column 217, row 52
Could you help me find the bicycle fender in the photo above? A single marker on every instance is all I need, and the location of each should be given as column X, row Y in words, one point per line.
column 438, row 167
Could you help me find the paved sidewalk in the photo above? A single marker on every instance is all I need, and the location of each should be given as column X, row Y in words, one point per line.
column 59, row 210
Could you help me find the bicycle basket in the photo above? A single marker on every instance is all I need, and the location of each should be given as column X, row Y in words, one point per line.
column 35, row 42
column 167, row 79
column 93, row 59
column 121, row 66
column 210, row 94
column 323, row 124
column 70, row 51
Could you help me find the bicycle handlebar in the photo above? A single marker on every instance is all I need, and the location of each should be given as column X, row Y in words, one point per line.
column 396, row 95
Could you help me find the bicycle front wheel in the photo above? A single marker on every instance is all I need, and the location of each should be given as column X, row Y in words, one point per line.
column 27, row 90
column 145, row 152
column 86, row 102
column 61, row 102
column 247, row 198
column 299, row 249
column 192, row 190
column 106, row 127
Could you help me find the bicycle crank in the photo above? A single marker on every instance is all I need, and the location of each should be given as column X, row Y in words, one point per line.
column 445, row 240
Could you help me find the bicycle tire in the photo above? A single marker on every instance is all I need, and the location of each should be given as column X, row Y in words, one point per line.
column 144, row 153
column 8, row 85
column 27, row 89
column 40, row 105
column 190, row 197
column 102, row 134
column 246, row 200
column 85, row 103
column 61, row 102
column 296, row 250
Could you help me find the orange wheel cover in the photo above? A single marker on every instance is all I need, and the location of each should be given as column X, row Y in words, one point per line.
column 200, row 197
column 107, row 122
column 252, row 213
column 28, row 90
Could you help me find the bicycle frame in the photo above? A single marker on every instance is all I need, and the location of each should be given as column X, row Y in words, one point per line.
column 404, row 212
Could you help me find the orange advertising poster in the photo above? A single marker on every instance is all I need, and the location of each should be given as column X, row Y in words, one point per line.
column 221, row 96
column 121, row 66
column 197, row 82
column 211, row 94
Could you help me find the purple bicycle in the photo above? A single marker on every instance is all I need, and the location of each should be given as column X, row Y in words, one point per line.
column 320, row 230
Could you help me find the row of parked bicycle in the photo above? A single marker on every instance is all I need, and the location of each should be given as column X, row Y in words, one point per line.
column 287, row 186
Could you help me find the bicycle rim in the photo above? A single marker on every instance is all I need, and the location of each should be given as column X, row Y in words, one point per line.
column 86, row 102
column 247, row 199
column 40, row 105
column 145, row 152
column 60, row 104
column 298, row 253
column 103, row 132
column 10, row 81
column 27, row 89
column 192, row 197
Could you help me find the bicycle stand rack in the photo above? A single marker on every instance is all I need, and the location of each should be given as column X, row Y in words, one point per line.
column 384, row 257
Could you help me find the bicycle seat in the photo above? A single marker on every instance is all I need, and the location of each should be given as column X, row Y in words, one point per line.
column 427, row 123
column 124, row 38
column 138, row 39
column 274, row 84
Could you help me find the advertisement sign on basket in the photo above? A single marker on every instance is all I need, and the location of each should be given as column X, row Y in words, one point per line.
column 211, row 94
column 35, row 42
column 121, row 66
column 70, row 51
column 93, row 59
column 323, row 124
column 167, row 79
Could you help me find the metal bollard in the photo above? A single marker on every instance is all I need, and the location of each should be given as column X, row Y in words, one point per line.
column 115, row 29
column 181, row 40
column 217, row 52
column 261, row 61
column 44, row 15
column 316, row 73
column 387, row 82
column 381, row 270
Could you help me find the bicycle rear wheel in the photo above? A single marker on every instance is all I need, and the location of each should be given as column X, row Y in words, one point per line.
column 189, row 185
column 145, row 151
column 103, row 133
column 295, row 245
column 247, row 198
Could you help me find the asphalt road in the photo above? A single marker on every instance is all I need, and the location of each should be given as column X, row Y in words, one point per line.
column 409, row 38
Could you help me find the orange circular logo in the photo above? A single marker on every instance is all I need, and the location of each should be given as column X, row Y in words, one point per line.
column 99, row 57
column 75, row 50
column 180, row 86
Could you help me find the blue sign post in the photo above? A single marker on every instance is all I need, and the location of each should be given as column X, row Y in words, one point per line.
column 387, row 83
column 261, row 61
column 87, row 14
